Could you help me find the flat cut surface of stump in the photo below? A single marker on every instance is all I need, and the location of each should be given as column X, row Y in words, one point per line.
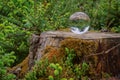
column 108, row 50
column 88, row 35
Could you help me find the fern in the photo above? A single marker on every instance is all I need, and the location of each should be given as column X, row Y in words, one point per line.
column 5, row 60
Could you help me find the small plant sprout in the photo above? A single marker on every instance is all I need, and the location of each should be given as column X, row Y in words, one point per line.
column 57, row 70
column 51, row 78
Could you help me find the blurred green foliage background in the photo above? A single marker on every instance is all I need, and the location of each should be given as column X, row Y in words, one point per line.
column 21, row 18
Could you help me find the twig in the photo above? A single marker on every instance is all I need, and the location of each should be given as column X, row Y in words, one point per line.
column 105, row 52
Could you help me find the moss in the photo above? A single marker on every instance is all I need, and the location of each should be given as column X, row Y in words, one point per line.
column 52, row 54
column 81, row 47
column 24, row 68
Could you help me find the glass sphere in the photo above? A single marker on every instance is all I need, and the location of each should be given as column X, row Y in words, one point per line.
column 79, row 20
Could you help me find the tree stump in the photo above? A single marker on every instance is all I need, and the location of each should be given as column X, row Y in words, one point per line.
column 106, row 57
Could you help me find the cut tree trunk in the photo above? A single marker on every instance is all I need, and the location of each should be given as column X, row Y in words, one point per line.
column 107, row 52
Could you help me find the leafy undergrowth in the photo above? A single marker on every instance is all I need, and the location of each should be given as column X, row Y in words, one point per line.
column 64, row 70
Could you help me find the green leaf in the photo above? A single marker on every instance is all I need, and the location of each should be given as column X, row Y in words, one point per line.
column 63, row 79
column 56, row 72
column 52, row 65
column 51, row 78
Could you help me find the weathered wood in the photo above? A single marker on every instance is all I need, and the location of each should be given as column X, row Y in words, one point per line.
column 107, row 53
